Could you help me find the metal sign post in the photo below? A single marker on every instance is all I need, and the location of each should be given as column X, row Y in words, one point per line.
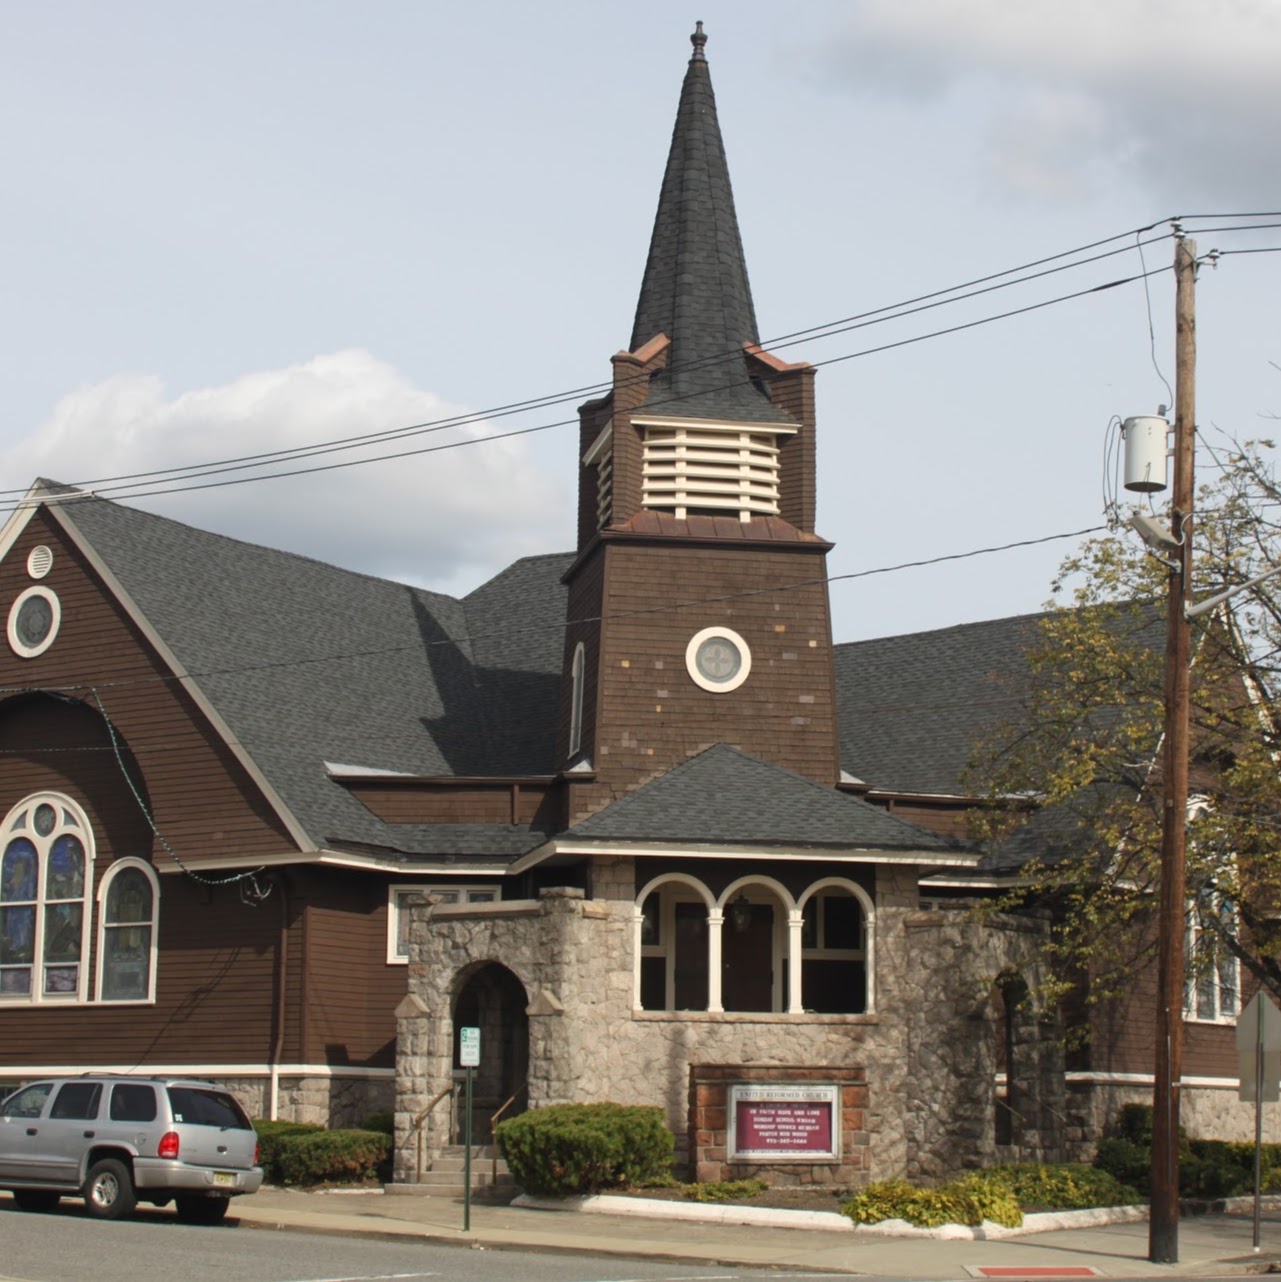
column 469, row 1058
column 1259, row 1058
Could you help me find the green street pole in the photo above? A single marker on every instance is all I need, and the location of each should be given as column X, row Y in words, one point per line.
column 467, row 1156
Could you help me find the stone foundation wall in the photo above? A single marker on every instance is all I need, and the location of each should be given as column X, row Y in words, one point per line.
column 1205, row 1112
column 331, row 1101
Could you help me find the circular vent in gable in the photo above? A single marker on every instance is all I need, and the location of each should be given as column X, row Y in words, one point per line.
column 40, row 562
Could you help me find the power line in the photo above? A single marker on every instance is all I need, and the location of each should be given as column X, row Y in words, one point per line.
column 815, row 333
column 543, row 427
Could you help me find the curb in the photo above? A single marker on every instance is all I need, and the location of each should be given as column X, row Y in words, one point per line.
column 662, row 1209
column 833, row 1221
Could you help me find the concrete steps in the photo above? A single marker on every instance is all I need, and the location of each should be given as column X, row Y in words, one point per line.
column 445, row 1178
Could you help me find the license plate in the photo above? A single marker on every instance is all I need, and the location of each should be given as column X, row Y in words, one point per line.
column 224, row 1179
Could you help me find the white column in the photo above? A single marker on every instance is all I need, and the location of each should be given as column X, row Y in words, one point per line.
column 715, row 920
column 638, row 922
column 795, row 924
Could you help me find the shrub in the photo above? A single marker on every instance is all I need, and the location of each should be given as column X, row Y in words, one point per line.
column 725, row 1190
column 332, row 1156
column 271, row 1140
column 1063, row 1186
column 1207, row 1168
column 970, row 1200
column 1129, row 1162
column 582, row 1148
column 1134, row 1123
column 383, row 1123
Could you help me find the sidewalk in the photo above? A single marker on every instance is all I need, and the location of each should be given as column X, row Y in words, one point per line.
column 1218, row 1244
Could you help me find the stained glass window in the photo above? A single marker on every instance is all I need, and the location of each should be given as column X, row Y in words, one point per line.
column 45, row 869
column 125, row 957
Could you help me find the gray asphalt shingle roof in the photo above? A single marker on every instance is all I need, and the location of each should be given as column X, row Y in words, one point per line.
column 310, row 663
column 913, row 708
column 724, row 796
column 695, row 288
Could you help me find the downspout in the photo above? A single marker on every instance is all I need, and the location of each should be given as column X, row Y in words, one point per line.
column 278, row 1018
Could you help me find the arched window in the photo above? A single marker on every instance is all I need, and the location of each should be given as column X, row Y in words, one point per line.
column 672, row 944
column 576, row 700
column 128, row 907
column 45, row 873
column 834, row 949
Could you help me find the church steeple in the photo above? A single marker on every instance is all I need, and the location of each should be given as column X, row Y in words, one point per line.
column 697, row 608
column 695, row 288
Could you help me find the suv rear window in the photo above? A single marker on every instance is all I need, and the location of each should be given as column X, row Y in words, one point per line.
column 131, row 1103
column 207, row 1108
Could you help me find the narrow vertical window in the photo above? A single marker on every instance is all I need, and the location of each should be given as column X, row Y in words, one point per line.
column 1212, row 988
column 577, row 671
column 129, row 900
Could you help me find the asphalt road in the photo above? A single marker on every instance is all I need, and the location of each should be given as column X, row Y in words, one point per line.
column 67, row 1246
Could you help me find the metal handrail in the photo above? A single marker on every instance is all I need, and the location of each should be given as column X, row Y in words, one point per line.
column 522, row 1089
column 422, row 1117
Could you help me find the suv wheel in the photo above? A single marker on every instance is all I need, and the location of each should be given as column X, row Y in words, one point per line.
column 201, row 1210
column 108, row 1190
column 35, row 1199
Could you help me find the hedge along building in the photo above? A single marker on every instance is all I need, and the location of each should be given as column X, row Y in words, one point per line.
column 738, row 937
column 611, row 780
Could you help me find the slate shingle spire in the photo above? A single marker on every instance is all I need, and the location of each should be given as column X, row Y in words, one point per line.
column 695, row 288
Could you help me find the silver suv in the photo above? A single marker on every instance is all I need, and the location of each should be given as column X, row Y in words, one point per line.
column 116, row 1141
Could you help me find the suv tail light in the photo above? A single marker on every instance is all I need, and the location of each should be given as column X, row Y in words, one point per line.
column 168, row 1144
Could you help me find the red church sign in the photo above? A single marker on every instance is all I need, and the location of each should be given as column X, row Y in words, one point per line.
column 777, row 1121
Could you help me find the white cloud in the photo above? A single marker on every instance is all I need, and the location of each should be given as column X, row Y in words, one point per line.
column 445, row 519
column 1181, row 95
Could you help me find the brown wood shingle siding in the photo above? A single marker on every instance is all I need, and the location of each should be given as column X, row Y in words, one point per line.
column 121, row 736
column 352, row 991
column 651, row 716
column 202, row 799
column 420, row 802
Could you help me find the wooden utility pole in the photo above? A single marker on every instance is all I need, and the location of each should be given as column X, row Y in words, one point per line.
column 1163, row 1226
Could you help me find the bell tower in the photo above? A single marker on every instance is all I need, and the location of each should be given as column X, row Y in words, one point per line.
column 698, row 609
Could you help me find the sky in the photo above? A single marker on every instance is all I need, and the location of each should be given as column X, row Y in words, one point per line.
column 250, row 226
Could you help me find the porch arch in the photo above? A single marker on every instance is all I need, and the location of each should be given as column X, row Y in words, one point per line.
column 490, row 996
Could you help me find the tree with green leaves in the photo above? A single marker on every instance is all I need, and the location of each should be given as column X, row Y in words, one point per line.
column 1074, row 783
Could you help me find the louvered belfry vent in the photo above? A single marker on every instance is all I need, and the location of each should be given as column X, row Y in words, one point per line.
column 705, row 468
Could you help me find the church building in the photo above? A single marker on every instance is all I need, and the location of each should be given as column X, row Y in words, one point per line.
column 628, row 810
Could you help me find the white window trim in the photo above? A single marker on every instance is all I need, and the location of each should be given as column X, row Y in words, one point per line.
column 50, row 597
column 100, row 933
column 867, row 954
column 691, row 660
column 37, row 996
column 464, row 890
column 788, row 925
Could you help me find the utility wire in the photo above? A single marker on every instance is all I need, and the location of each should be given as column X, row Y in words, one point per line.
column 815, row 333
column 184, row 487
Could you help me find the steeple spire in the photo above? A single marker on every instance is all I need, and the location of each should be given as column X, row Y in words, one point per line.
column 695, row 289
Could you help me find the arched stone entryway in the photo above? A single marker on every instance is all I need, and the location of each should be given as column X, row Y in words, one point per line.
column 490, row 997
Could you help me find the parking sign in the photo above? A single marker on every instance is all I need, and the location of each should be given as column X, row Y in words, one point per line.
column 469, row 1047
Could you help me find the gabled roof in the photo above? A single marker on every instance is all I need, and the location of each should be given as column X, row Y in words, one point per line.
column 723, row 796
column 695, row 288
column 306, row 663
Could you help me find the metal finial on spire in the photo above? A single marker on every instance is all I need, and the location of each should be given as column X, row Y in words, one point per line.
column 698, row 40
